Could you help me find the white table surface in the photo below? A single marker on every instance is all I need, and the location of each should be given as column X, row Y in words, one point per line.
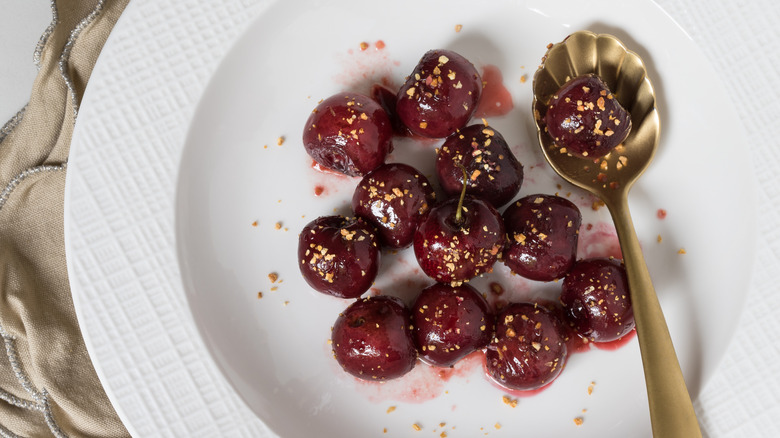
column 741, row 40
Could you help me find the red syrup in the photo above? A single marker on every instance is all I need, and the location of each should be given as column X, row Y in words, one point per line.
column 425, row 382
column 495, row 100
column 617, row 343
column 599, row 240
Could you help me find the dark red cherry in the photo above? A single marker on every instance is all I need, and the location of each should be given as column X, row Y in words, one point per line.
column 586, row 119
column 493, row 172
column 372, row 339
column 348, row 133
column 440, row 95
column 543, row 232
column 394, row 198
column 596, row 301
column 450, row 323
column 387, row 98
column 528, row 350
column 452, row 250
column 338, row 256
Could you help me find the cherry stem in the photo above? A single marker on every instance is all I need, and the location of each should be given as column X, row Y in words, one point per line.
column 458, row 214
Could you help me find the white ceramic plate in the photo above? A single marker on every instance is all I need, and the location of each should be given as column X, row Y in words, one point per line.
column 233, row 175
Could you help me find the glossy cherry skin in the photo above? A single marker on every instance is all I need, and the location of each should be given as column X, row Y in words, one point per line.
column 348, row 133
column 387, row 99
column 395, row 198
column 596, row 300
column 528, row 350
column 543, row 232
column 372, row 339
column 453, row 252
column 450, row 323
column 493, row 172
column 339, row 256
column 586, row 119
column 440, row 96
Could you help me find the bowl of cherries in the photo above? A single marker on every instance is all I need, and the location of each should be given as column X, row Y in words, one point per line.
column 459, row 224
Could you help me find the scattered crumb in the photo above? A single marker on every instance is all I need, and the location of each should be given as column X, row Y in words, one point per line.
column 659, row 238
column 274, row 289
column 443, row 435
column 280, row 141
column 259, row 295
column 363, row 45
column 278, row 226
column 661, row 213
column 590, row 387
column 286, row 303
column 273, row 276
column 578, row 421
column 497, row 426
column 390, row 409
column 584, row 410
column 509, row 401
column 384, row 430
column 254, row 224
column 597, row 204
column 523, row 79
column 458, row 27
column 416, row 427
column 681, row 251
column 265, row 146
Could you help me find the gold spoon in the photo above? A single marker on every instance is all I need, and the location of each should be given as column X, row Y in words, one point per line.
column 610, row 178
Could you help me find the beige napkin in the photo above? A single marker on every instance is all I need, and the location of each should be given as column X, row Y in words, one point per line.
column 47, row 383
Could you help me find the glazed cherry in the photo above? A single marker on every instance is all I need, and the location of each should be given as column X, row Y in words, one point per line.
column 387, row 99
column 543, row 232
column 348, row 133
column 585, row 119
column 339, row 256
column 528, row 350
column 596, row 301
column 394, row 198
column 440, row 95
column 494, row 174
column 450, row 323
column 372, row 339
column 453, row 248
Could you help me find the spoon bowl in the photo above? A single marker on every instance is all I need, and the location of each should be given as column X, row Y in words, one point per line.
column 610, row 178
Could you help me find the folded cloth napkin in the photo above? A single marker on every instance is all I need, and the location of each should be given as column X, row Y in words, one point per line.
column 48, row 385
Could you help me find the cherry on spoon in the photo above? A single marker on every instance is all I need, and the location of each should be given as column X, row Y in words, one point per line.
column 610, row 178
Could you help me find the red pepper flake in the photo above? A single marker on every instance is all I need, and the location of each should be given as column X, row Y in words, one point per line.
column 319, row 190
column 363, row 45
column 596, row 205
column 661, row 213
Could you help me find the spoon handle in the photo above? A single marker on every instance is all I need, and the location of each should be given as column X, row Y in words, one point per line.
column 671, row 410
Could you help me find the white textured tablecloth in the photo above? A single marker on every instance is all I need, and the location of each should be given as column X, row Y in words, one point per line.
column 186, row 39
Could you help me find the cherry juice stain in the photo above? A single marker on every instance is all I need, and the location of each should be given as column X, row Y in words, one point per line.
column 599, row 240
column 617, row 343
column 425, row 382
column 495, row 100
column 661, row 213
